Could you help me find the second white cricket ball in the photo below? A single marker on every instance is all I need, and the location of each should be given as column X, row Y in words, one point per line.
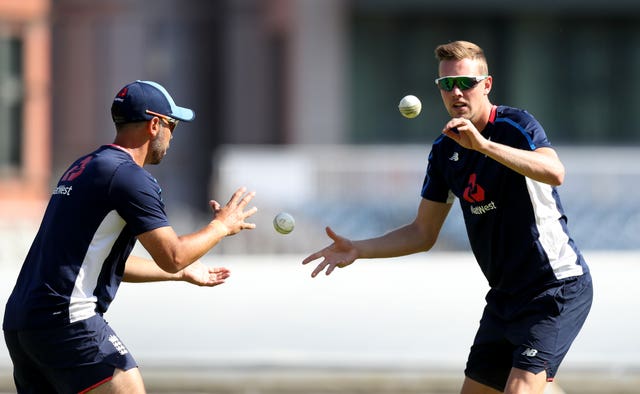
column 410, row 106
column 284, row 223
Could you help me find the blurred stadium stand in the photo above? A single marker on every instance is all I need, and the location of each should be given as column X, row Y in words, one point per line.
column 363, row 191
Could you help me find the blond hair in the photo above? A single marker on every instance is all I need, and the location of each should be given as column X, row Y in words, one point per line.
column 458, row 50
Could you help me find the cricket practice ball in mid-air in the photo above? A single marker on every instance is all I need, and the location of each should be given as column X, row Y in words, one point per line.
column 284, row 223
column 410, row 106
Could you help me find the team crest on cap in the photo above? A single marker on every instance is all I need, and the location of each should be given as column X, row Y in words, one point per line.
column 121, row 94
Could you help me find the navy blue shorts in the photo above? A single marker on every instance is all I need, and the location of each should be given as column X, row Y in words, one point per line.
column 534, row 339
column 68, row 359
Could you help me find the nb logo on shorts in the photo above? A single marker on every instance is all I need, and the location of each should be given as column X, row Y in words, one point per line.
column 118, row 345
column 529, row 352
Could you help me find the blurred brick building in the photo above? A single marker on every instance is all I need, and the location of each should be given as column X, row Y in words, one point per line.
column 25, row 126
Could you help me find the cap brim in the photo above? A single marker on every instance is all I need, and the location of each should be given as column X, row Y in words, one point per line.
column 181, row 113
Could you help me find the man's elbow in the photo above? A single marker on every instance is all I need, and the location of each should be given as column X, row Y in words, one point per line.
column 553, row 180
column 557, row 177
column 171, row 265
column 559, row 180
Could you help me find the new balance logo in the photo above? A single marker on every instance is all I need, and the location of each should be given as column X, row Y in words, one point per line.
column 454, row 157
column 118, row 345
column 529, row 352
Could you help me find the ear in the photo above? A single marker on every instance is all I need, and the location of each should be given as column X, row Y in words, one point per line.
column 153, row 127
column 488, row 83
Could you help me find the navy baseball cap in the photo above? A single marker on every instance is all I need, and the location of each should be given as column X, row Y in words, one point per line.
column 134, row 100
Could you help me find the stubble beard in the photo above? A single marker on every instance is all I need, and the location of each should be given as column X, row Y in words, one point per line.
column 158, row 151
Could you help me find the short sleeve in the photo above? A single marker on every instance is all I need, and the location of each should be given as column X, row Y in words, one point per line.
column 434, row 186
column 138, row 198
column 533, row 132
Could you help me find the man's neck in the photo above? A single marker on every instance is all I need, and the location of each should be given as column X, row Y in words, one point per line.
column 136, row 153
column 485, row 117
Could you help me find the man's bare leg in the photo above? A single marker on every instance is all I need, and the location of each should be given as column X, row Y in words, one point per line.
column 519, row 382
column 123, row 382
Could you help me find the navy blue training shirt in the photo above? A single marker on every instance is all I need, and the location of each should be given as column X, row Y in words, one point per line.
column 516, row 226
column 76, row 262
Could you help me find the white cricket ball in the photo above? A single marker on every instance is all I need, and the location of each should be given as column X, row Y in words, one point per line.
column 284, row 223
column 410, row 106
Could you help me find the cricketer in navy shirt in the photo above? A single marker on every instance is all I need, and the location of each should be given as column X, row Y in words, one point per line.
column 54, row 325
column 499, row 164
column 76, row 262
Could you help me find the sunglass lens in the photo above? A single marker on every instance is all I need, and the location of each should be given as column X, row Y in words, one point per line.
column 465, row 83
column 446, row 84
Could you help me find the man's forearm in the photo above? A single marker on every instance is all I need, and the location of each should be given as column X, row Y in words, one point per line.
column 138, row 270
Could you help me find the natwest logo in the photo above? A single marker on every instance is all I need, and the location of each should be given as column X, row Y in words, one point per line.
column 473, row 193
